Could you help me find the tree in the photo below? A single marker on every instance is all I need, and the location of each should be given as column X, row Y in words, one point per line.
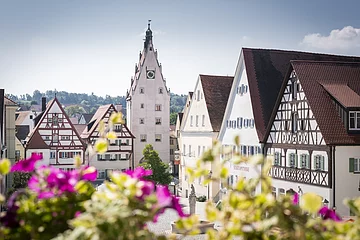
column 74, row 110
column 173, row 118
column 20, row 180
column 160, row 172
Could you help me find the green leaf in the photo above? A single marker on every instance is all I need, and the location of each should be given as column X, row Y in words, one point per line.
column 5, row 166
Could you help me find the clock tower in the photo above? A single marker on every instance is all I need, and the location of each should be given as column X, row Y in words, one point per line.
column 148, row 104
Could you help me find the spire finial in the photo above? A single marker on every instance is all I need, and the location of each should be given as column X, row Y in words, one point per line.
column 149, row 21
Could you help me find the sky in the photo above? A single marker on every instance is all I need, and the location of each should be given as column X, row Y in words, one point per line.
column 91, row 46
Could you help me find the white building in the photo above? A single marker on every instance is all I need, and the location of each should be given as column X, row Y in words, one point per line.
column 55, row 137
column 148, row 104
column 258, row 78
column 315, row 132
column 200, row 127
column 119, row 155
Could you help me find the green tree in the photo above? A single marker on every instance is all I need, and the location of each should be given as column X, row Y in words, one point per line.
column 173, row 117
column 161, row 174
column 20, row 180
column 74, row 110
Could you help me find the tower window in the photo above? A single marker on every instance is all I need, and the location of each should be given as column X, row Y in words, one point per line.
column 160, row 90
column 142, row 90
column 142, row 137
column 158, row 121
column 141, row 105
column 142, row 120
column 157, row 137
column 158, row 107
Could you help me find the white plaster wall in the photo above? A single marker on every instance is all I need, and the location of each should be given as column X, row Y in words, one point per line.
column 239, row 106
column 346, row 183
column 150, row 98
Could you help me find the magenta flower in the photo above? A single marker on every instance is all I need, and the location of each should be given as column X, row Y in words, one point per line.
column 295, row 199
column 138, row 172
column 89, row 173
column 27, row 165
column 327, row 213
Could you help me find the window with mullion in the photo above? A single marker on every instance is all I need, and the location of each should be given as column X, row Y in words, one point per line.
column 354, row 120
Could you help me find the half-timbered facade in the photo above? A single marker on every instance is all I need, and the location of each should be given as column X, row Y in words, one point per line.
column 200, row 127
column 55, row 137
column 314, row 134
column 119, row 155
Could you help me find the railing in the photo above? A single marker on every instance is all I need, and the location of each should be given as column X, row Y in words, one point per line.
column 300, row 175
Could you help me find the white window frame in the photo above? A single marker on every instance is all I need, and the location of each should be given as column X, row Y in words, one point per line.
column 203, row 120
column 319, row 162
column 197, row 121
column 304, row 158
column 157, row 137
column 142, row 137
column 292, row 160
column 277, row 158
column 356, row 118
column 356, row 164
column 158, row 121
column 158, row 107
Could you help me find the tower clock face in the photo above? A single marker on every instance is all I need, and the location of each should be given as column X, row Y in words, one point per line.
column 150, row 74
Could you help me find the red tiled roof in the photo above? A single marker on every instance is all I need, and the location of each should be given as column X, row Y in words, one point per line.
column 343, row 94
column 313, row 76
column 216, row 92
column 266, row 69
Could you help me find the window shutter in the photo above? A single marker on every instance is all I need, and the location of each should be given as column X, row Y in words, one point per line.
column 307, row 159
column 280, row 159
column 351, row 164
column 322, row 165
column 296, row 160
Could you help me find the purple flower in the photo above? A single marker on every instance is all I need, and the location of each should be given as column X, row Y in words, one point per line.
column 89, row 173
column 10, row 218
column 327, row 213
column 295, row 199
column 27, row 165
column 138, row 172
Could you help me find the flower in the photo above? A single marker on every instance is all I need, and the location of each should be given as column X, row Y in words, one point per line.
column 311, row 202
column 9, row 219
column 139, row 172
column 295, row 199
column 329, row 214
column 27, row 165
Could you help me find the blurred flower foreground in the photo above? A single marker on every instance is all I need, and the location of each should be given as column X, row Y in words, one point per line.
column 61, row 204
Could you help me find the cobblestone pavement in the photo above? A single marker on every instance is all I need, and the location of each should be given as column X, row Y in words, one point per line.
column 163, row 226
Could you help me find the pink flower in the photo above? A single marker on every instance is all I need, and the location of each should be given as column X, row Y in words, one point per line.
column 138, row 172
column 327, row 213
column 89, row 173
column 295, row 198
column 27, row 165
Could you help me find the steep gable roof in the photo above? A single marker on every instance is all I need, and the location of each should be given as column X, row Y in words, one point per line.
column 216, row 93
column 87, row 117
column 96, row 118
column 316, row 79
column 266, row 69
column 22, row 131
column 33, row 139
column 9, row 102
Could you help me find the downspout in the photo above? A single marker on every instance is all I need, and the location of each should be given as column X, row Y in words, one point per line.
column 333, row 174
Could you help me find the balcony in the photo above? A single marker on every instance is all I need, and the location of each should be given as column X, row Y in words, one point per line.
column 301, row 175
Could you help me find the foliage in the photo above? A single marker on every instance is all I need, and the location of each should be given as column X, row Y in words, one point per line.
column 74, row 110
column 201, row 198
column 173, row 118
column 161, row 174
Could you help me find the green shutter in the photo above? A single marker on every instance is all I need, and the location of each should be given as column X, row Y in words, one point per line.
column 351, row 164
column 322, row 163
column 307, row 161
column 280, row 159
column 296, row 160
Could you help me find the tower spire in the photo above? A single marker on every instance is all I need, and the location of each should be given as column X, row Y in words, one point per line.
column 148, row 36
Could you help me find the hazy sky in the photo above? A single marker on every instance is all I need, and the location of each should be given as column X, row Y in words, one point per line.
column 92, row 46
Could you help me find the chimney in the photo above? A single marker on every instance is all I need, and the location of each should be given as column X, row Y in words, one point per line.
column 118, row 107
column 43, row 104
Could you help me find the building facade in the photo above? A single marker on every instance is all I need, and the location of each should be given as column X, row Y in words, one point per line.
column 200, row 127
column 148, row 104
column 119, row 155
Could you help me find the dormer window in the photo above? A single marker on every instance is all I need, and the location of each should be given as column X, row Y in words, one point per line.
column 354, row 120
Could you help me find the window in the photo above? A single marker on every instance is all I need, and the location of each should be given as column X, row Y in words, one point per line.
column 246, row 123
column 199, row 149
column 52, row 155
column 293, row 160
column 354, row 120
column 294, row 89
column 142, row 137
column 184, row 149
column 55, row 120
column 141, row 105
column 189, row 150
column 294, row 121
column 158, row 121
column 142, row 120
column 118, row 127
column 203, row 120
column 157, row 137
column 142, row 90
column 171, row 151
column 304, row 158
column 302, row 124
column 31, row 116
column 160, row 90
column 55, row 138
column 171, row 141
column 319, row 162
column 244, row 150
column 198, row 95
column 239, row 122
column 252, row 150
column 197, row 120
column 281, row 192
column 158, row 107
column 191, row 121
column 273, row 191
column 101, row 174
column 277, row 159
column 252, row 123
column 286, row 125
